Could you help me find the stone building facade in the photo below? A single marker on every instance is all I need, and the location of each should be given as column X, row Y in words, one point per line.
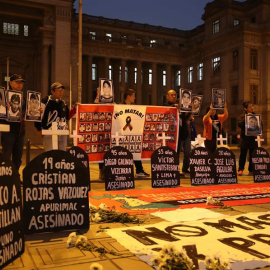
column 230, row 51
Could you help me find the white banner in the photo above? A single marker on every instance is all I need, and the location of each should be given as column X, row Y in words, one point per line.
column 243, row 240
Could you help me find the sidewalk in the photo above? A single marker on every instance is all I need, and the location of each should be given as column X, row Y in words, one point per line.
column 48, row 250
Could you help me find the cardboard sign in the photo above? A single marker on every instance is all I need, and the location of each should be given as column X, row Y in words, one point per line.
column 165, row 168
column 55, row 193
column 201, row 167
column 80, row 154
column 119, row 172
column 261, row 165
column 211, row 169
column 11, row 226
column 224, row 166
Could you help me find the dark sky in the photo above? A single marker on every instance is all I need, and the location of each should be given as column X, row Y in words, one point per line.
column 180, row 14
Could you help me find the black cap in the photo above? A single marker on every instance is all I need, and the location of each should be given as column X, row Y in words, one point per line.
column 16, row 78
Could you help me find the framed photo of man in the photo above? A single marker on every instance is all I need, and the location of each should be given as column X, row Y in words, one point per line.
column 185, row 100
column 33, row 103
column 218, row 98
column 3, row 107
column 253, row 125
column 14, row 98
column 196, row 103
column 106, row 91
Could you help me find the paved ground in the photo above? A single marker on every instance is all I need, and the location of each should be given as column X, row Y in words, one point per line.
column 48, row 250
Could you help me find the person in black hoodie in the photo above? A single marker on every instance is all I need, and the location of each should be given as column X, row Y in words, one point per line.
column 55, row 110
column 248, row 143
column 186, row 130
column 12, row 141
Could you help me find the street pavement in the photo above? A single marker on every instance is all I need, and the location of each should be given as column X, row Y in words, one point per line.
column 49, row 251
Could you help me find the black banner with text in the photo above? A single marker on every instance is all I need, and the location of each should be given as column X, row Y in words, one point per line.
column 11, row 224
column 55, row 193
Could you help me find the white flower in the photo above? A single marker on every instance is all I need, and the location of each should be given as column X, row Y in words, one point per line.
column 169, row 248
column 156, row 260
column 103, row 206
column 82, row 238
column 162, row 266
column 70, row 242
column 209, row 200
column 96, row 266
column 96, row 218
column 73, row 234
column 92, row 206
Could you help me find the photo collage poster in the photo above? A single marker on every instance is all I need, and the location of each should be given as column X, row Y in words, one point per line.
column 253, row 125
column 218, row 98
column 33, row 104
column 106, row 91
column 159, row 120
column 94, row 124
column 137, row 126
column 3, row 108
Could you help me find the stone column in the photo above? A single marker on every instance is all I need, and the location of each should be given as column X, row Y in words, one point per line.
column 122, row 83
column 115, row 77
column 90, row 97
column 45, row 71
column 105, row 73
column 62, row 44
column 154, row 85
column 168, row 76
column 139, row 83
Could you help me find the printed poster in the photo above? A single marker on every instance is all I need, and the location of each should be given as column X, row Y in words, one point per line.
column 138, row 128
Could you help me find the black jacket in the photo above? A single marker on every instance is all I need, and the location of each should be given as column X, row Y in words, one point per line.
column 53, row 111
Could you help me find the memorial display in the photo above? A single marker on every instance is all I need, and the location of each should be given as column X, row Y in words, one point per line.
column 55, row 193
column 11, row 214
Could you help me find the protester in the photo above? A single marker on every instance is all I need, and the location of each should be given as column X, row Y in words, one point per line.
column 213, row 126
column 13, row 141
column 55, row 110
column 186, row 130
column 129, row 98
column 187, row 133
column 247, row 143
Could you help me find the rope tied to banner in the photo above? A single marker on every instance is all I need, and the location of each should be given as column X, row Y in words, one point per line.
column 128, row 125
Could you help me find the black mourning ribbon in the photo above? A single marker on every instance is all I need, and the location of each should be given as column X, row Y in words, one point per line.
column 128, row 125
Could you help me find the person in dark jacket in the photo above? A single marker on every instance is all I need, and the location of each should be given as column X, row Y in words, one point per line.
column 129, row 99
column 13, row 141
column 55, row 110
column 187, row 130
column 248, row 143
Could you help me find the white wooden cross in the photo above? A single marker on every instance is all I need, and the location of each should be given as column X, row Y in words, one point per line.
column 259, row 140
column 117, row 137
column 221, row 139
column 4, row 128
column 75, row 136
column 54, row 132
column 163, row 138
column 200, row 139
